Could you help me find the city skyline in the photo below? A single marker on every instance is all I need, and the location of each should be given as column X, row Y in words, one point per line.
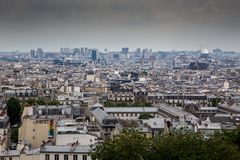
column 156, row 24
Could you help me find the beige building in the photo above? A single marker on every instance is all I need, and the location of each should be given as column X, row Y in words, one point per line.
column 18, row 155
column 97, row 89
column 35, row 126
column 4, row 128
column 33, row 131
column 4, row 136
column 73, row 152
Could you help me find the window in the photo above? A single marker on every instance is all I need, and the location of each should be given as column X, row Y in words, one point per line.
column 56, row 157
column 75, row 157
column 47, row 157
column 65, row 157
column 84, row 157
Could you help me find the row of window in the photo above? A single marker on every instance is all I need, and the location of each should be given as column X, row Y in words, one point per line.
column 2, row 158
column 209, row 111
column 65, row 157
column 180, row 98
column 127, row 114
column 120, row 98
column 40, row 122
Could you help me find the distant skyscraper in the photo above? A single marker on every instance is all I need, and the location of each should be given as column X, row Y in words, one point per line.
column 76, row 51
column 125, row 50
column 39, row 53
column 86, row 50
column 82, row 50
column 65, row 50
column 138, row 50
column 32, row 53
column 94, row 55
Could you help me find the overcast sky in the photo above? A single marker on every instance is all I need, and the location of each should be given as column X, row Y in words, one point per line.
column 113, row 24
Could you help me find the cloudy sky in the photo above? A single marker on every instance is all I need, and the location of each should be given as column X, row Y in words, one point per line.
column 113, row 24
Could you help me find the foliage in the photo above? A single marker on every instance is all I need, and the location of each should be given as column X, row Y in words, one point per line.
column 179, row 104
column 189, row 146
column 215, row 101
column 14, row 135
column 145, row 116
column 14, row 110
column 30, row 101
column 130, row 145
column 117, row 104
column 53, row 102
column 232, row 137
column 41, row 101
column 141, row 104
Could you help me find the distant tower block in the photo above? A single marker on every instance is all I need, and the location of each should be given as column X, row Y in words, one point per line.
column 125, row 50
column 32, row 53
column 152, row 58
column 94, row 55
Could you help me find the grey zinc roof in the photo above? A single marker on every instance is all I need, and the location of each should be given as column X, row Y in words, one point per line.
column 155, row 122
column 131, row 109
column 99, row 114
column 9, row 153
column 178, row 112
column 66, row 149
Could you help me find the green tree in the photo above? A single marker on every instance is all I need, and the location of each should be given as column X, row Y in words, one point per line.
column 220, row 149
column 14, row 135
column 53, row 102
column 41, row 101
column 129, row 145
column 145, row 116
column 190, row 146
column 232, row 137
column 31, row 101
column 109, row 104
column 215, row 101
column 14, row 110
column 141, row 103
column 179, row 147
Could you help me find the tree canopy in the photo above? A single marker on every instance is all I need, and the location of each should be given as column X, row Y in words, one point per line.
column 145, row 116
column 41, row 101
column 215, row 101
column 132, row 145
column 14, row 111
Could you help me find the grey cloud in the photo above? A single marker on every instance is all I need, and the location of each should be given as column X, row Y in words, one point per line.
column 170, row 19
column 45, row 10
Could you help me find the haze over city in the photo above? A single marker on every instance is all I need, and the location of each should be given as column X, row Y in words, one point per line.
column 119, row 79
column 156, row 24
